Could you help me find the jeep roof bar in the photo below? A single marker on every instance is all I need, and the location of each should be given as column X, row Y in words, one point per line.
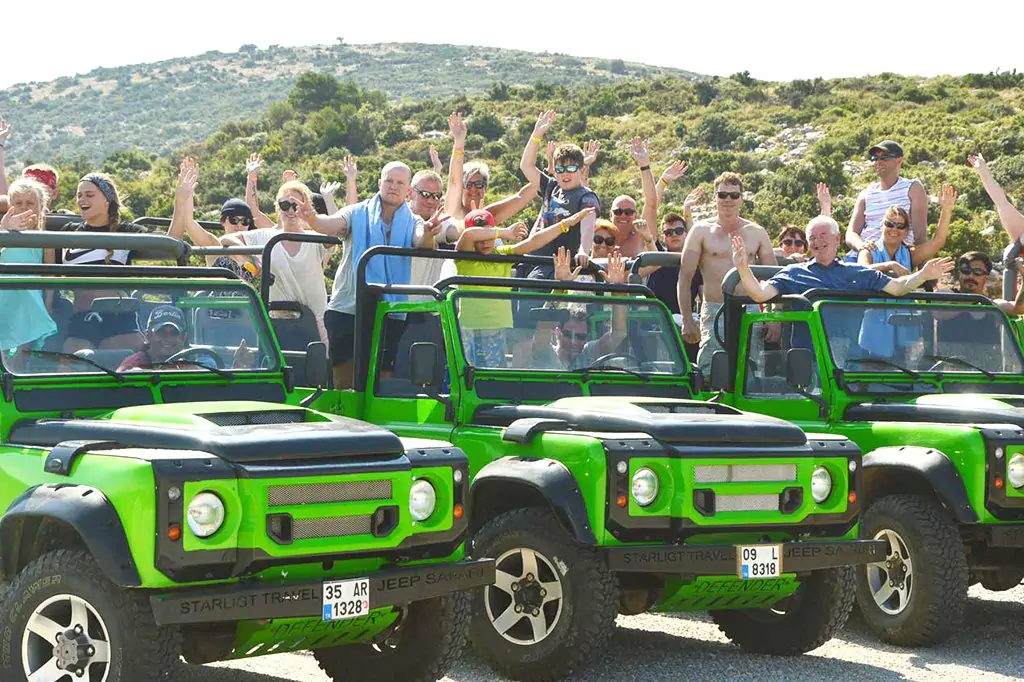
column 544, row 285
column 268, row 248
column 147, row 246
column 112, row 271
column 225, row 250
column 151, row 221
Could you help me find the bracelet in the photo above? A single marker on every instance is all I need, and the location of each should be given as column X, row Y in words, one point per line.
column 536, row 139
column 458, row 155
column 563, row 226
column 645, row 168
column 497, row 233
column 663, row 181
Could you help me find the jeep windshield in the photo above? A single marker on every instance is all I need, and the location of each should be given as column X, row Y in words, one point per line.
column 174, row 327
column 909, row 339
column 538, row 332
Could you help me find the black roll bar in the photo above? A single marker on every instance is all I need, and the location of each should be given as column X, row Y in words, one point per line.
column 144, row 246
column 152, row 221
column 267, row 276
column 115, row 271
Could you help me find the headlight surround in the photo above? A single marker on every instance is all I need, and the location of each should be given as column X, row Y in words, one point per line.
column 821, row 484
column 205, row 514
column 644, row 487
column 422, row 500
column 1015, row 470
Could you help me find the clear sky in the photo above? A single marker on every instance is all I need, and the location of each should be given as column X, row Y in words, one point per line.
column 773, row 39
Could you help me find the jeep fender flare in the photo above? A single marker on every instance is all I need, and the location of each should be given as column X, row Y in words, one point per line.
column 501, row 485
column 84, row 509
column 929, row 464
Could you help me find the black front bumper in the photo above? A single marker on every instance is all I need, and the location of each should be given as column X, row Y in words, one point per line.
column 797, row 557
column 265, row 600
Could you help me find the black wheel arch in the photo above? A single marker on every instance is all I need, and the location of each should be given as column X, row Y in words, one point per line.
column 514, row 482
column 916, row 469
column 73, row 513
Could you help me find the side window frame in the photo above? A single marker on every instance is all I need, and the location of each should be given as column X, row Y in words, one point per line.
column 752, row 322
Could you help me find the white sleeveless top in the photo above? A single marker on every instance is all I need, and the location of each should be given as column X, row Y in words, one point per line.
column 877, row 201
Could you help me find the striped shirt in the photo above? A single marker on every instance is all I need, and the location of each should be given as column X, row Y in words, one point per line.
column 877, row 201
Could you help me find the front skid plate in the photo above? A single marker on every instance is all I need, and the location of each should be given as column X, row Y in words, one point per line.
column 251, row 601
column 797, row 557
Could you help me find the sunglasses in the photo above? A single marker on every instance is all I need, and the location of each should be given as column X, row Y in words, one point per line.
column 607, row 241
column 578, row 336
column 674, row 231
column 570, row 168
column 624, row 211
column 436, row 196
column 966, row 269
column 288, row 206
column 898, row 226
column 238, row 220
column 884, row 156
column 476, row 184
column 794, row 242
column 730, row 195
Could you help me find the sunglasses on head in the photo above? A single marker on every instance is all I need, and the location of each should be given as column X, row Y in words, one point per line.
column 238, row 220
column 607, row 241
column 568, row 168
column 288, row 205
column 966, row 269
column 674, row 231
column 436, row 196
column 624, row 211
column 898, row 226
column 884, row 156
column 730, row 195
column 578, row 336
column 794, row 242
column 476, row 184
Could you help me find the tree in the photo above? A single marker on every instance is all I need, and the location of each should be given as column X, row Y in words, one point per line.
column 499, row 92
column 313, row 92
column 706, row 91
column 617, row 66
column 248, row 48
column 486, row 124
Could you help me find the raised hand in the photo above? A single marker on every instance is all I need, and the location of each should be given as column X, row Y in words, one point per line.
column 576, row 218
column 977, row 162
column 435, row 161
column 615, row 270
column 590, row 150
column 515, row 233
column 675, row 171
column 692, row 199
column 551, row 158
column 544, row 123
column 188, row 178
column 938, row 267
column 243, row 357
column 436, row 221
column 641, row 226
column 739, row 252
column 254, row 165
column 328, row 189
column 638, row 150
column 947, row 198
column 16, row 222
column 305, row 210
column 5, row 131
column 563, row 266
column 289, row 175
column 824, row 199
column 457, row 128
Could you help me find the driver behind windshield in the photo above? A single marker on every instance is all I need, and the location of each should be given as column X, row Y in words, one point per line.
column 165, row 338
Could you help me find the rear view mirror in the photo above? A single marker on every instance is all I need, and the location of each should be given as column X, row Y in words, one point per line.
column 423, row 364
column 720, row 371
column 318, row 368
column 799, row 367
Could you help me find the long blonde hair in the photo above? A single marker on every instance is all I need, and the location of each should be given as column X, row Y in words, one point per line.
column 36, row 188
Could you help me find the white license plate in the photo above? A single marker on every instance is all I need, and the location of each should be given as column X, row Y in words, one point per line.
column 344, row 599
column 759, row 561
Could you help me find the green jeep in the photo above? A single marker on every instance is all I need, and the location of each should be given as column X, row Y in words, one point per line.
column 193, row 506
column 929, row 386
column 599, row 485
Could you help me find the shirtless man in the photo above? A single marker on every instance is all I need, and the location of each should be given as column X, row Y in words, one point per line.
column 708, row 248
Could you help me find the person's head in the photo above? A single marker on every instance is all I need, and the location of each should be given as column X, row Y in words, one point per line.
column 25, row 194
column 289, row 196
column 475, row 177
column 45, row 174
column 98, row 201
column 575, row 332
column 568, row 160
column 623, row 213
column 973, row 269
column 792, row 240
column 729, row 193
column 235, row 216
column 673, row 231
column 823, row 239
column 425, row 195
column 481, row 218
column 887, row 157
column 895, row 226
column 395, row 179
column 165, row 332
column 606, row 236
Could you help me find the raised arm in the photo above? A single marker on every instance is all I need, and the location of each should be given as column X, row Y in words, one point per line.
column 327, row 190
column 641, row 155
column 471, row 235
column 1016, row 307
column 5, row 132
column 926, row 250
column 252, row 171
column 546, row 235
column 670, row 175
column 692, row 199
column 335, row 225
column 613, row 338
column 853, row 239
column 184, row 198
column 933, row 269
column 351, row 173
column 757, row 290
column 590, row 151
column 918, row 212
column 1010, row 217
column 453, row 195
column 528, row 163
column 824, row 200
column 513, row 205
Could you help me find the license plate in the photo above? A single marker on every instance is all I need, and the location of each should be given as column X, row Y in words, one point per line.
column 759, row 561
column 344, row 599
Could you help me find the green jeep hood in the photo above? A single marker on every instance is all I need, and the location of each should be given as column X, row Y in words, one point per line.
column 946, row 408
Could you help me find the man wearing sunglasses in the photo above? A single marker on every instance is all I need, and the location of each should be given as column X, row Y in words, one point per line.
column 890, row 190
column 708, row 250
column 972, row 274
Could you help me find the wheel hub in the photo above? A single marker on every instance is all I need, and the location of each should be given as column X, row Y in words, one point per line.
column 74, row 650
column 897, row 570
column 528, row 595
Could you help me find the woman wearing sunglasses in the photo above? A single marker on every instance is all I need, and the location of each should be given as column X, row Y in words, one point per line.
column 792, row 244
column 892, row 255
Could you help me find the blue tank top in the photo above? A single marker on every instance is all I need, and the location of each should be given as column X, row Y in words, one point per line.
column 880, row 255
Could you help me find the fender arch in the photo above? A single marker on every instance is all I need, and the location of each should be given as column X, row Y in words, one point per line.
column 926, row 465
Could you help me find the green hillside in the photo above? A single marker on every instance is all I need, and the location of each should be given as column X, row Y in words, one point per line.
column 162, row 106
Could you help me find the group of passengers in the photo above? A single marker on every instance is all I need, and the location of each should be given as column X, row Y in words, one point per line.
column 889, row 248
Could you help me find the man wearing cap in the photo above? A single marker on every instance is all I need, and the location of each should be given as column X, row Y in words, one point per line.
column 890, row 190
column 165, row 336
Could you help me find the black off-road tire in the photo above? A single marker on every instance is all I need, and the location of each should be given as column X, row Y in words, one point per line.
column 140, row 651
column 590, row 600
column 938, row 596
column 423, row 649
column 798, row 624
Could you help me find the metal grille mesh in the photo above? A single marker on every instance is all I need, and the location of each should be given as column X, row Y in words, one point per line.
column 325, row 493
column 330, row 527
column 744, row 473
column 741, row 503
column 247, row 418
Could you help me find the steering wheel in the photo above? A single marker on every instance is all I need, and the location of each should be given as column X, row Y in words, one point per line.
column 611, row 356
column 197, row 350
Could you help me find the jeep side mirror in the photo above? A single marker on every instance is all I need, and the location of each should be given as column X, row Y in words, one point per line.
column 423, row 364
column 318, row 367
column 799, row 367
column 720, row 371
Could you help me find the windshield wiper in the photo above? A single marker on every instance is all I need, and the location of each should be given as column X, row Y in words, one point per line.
column 909, row 372
column 216, row 370
column 79, row 358
column 639, row 375
column 960, row 361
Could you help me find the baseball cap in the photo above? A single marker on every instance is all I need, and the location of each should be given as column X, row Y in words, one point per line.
column 164, row 315
column 887, row 146
column 479, row 218
column 234, row 207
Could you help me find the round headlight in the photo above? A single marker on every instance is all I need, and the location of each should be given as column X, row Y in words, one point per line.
column 1015, row 470
column 422, row 500
column 205, row 515
column 645, row 487
column 821, row 484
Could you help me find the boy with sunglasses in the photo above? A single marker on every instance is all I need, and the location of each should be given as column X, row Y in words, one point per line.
column 891, row 190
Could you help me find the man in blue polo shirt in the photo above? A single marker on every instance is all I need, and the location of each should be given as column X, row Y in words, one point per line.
column 824, row 271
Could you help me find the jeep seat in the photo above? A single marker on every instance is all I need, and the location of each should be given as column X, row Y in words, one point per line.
column 297, row 328
column 110, row 358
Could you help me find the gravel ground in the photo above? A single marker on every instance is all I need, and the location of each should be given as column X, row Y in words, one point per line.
column 656, row 648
